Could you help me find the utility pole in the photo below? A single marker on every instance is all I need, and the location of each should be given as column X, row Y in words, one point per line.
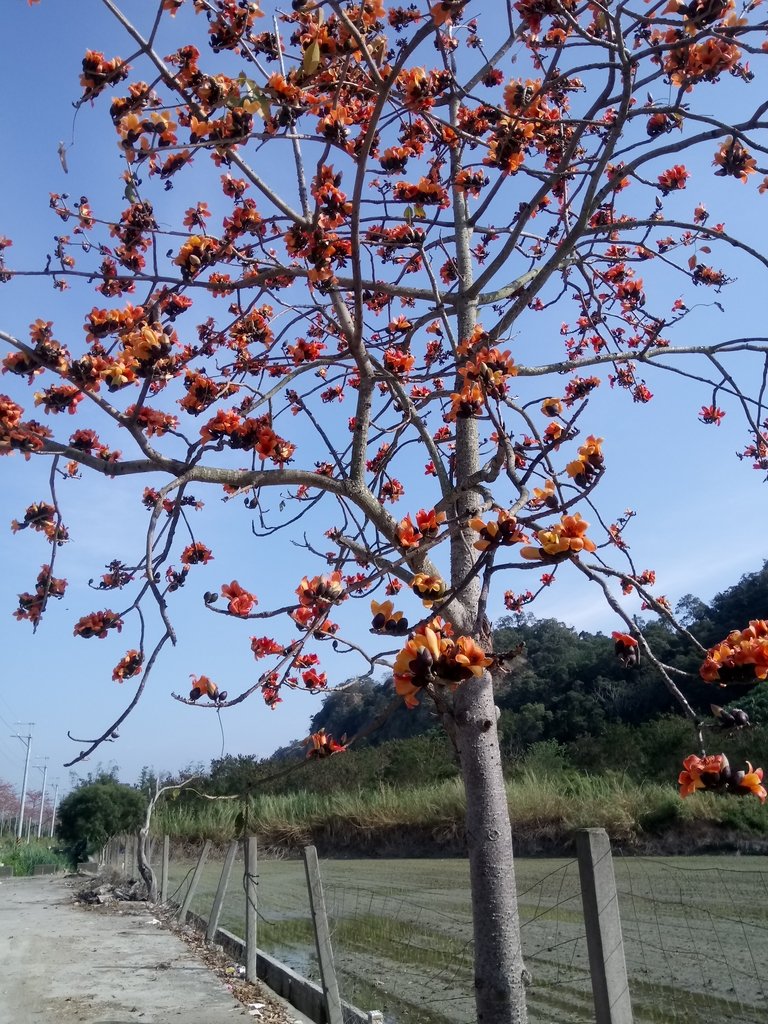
column 27, row 741
column 44, row 770
column 55, row 804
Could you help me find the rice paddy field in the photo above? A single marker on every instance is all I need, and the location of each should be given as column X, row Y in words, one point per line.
column 695, row 934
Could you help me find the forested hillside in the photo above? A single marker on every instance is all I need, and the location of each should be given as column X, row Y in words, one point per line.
column 566, row 690
column 567, row 684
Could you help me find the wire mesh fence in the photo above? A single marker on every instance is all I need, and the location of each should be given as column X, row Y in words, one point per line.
column 695, row 934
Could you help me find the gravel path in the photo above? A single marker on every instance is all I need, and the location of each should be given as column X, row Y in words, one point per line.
column 65, row 964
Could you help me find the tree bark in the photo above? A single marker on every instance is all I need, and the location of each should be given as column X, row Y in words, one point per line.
column 500, row 973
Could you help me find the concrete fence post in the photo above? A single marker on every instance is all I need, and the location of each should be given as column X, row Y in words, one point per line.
column 164, row 869
column 221, row 891
column 194, row 883
column 605, row 944
column 328, row 977
column 251, row 908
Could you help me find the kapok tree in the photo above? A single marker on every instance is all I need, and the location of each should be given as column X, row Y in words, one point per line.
column 388, row 207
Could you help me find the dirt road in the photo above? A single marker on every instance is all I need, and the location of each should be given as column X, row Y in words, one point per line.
column 62, row 964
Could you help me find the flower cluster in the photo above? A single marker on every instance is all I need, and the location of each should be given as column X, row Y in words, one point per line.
column 128, row 666
column 713, row 773
column 432, row 656
column 427, row 524
column 484, row 373
column 42, row 517
column 31, row 606
column 568, row 537
column 501, row 531
column 98, row 624
column 321, row 591
column 589, row 464
column 741, row 657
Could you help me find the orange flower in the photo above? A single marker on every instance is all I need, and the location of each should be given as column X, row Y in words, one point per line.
column 552, row 407
column 322, row 744
column 407, row 534
column 321, row 591
column 432, row 657
column 414, row 664
column 566, row 537
column 545, row 495
column 428, row 588
column 741, row 657
column 504, row 531
column 733, row 160
column 448, row 11
column 472, row 657
column 689, row 779
column 625, row 639
column 203, row 686
column 752, row 781
column 387, row 620
column 711, row 414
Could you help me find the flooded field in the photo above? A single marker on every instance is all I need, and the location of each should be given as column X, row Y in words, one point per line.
column 695, row 934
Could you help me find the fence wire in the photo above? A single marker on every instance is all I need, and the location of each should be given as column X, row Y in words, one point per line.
column 695, row 934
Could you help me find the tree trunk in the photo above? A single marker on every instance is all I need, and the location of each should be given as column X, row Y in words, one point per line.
column 500, row 974
column 145, row 867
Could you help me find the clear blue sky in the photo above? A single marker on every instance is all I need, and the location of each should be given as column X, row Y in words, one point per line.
column 700, row 512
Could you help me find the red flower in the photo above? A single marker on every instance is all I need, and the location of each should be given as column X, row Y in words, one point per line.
column 240, row 601
column 322, row 744
column 128, row 666
column 97, row 624
column 314, row 680
column 673, row 179
column 711, row 414
column 196, row 554
column 263, row 646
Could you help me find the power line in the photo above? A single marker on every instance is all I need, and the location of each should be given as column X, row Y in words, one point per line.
column 6, row 723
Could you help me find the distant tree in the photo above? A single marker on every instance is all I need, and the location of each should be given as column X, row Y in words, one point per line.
column 9, row 803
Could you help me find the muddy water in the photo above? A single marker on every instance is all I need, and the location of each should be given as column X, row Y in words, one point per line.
column 695, row 935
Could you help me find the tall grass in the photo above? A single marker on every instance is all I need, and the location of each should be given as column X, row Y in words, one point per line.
column 546, row 807
column 24, row 856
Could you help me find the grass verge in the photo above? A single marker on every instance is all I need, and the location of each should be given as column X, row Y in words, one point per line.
column 23, row 857
column 545, row 810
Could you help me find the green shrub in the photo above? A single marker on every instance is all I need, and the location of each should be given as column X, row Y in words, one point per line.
column 94, row 812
